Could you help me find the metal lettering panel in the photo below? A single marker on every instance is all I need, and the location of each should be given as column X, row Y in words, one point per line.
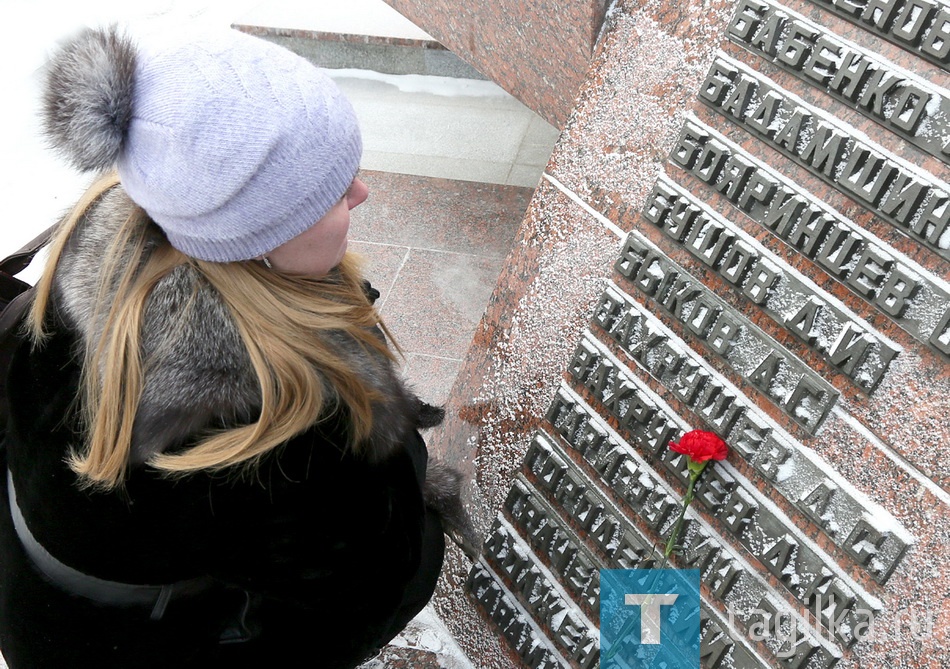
column 532, row 516
column 512, row 620
column 910, row 199
column 910, row 296
column 743, row 345
column 898, row 100
column 781, row 460
column 747, row 585
column 922, row 27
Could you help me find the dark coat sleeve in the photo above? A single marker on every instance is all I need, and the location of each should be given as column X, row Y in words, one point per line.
column 313, row 512
column 328, row 544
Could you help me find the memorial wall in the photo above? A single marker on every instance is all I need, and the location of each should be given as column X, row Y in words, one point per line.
column 744, row 228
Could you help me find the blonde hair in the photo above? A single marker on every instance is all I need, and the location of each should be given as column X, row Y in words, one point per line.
column 279, row 318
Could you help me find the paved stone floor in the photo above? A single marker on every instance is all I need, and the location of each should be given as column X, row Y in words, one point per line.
column 434, row 249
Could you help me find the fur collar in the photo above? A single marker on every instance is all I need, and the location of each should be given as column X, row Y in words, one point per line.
column 197, row 371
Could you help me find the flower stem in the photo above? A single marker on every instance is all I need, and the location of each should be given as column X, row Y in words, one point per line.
column 695, row 471
column 694, row 474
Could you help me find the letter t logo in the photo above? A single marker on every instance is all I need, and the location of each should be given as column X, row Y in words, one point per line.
column 649, row 614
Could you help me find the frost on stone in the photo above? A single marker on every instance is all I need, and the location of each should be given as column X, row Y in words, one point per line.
column 805, row 409
column 558, row 619
column 785, row 470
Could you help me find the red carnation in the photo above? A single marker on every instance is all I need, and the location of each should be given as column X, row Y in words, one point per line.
column 700, row 446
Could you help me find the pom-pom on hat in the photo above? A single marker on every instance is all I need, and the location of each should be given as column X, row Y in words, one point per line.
column 233, row 145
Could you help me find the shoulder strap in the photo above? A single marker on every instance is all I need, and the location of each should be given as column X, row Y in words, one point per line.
column 18, row 261
column 15, row 298
column 16, row 295
column 10, row 286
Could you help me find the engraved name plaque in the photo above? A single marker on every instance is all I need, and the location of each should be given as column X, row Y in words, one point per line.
column 782, row 281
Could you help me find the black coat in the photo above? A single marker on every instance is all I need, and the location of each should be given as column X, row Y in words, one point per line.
column 333, row 553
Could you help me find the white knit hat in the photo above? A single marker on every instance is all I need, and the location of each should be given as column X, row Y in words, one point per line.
column 233, row 145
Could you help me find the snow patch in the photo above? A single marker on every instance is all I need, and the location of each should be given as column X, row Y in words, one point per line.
column 426, row 83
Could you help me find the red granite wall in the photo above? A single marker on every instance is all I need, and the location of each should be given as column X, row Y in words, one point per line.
column 882, row 449
column 538, row 50
column 646, row 69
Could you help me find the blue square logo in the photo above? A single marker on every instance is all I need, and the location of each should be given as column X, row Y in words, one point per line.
column 649, row 618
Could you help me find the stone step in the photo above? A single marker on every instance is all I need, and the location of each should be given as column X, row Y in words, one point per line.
column 357, row 34
column 422, row 110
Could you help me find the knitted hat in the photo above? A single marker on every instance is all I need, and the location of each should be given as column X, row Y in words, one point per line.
column 233, row 145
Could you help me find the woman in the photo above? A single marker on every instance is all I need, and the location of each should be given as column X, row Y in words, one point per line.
column 211, row 460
